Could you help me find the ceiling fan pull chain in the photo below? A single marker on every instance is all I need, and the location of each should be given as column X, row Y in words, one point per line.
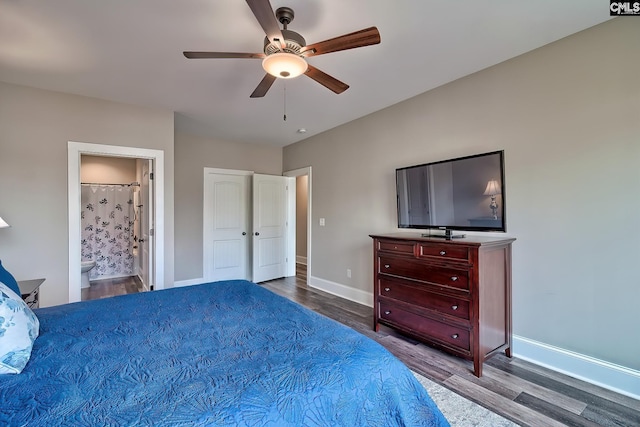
column 285, row 101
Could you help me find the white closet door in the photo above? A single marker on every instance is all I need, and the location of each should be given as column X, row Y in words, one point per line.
column 226, row 227
column 270, row 226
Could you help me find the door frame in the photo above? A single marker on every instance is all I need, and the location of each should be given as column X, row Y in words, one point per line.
column 302, row 172
column 74, row 152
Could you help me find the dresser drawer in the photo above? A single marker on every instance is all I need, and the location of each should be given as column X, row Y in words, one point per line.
column 396, row 246
column 443, row 251
column 418, row 270
column 451, row 335
column 418, row 295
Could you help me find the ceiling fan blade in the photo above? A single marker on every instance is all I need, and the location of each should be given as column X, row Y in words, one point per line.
column 326, row 80
column 267, row 19
column 361, row 38
column 200, row 55
column 263, row 86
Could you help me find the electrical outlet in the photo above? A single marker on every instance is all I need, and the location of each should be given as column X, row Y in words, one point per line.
column 349, row 273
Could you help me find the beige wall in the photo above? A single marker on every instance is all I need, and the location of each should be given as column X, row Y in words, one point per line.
column 35, row 126
column 193, row 154
column 107, row 170
column 567, row 117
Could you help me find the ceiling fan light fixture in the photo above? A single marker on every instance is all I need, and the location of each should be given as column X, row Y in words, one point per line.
column 284, row 65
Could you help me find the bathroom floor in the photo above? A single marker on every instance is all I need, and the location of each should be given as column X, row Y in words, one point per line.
column 111, row 287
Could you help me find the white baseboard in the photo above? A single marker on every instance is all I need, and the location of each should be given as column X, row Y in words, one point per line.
column 355, row 295
column 189, row 282
column 599, row 372
column 301, row 259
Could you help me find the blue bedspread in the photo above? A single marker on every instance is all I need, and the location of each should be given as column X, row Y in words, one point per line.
column 226, row 353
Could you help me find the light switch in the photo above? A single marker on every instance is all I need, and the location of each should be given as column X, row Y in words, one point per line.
column 321, row 222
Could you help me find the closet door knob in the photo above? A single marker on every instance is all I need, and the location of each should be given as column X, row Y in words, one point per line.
column 244, row 233
column 256, row 233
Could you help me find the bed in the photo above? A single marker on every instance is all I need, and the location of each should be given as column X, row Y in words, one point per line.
column 223, row 353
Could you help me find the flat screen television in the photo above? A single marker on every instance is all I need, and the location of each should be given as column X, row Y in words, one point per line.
column 465, row 193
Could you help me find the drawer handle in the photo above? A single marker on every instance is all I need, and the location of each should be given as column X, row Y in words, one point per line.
column 387, row 289
column 454, row 307
column 388, row 312
column 387, row 266
column 454, row 278
column 454, row 336
column 395, row 247
column 443, row 253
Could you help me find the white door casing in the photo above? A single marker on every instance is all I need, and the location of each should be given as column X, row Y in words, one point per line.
column 226, row 225
column 74, row 151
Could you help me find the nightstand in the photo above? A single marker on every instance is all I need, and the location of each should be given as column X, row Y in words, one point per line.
column 30, row 290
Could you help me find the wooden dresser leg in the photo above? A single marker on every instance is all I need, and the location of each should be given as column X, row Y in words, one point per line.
column 507, row 352
column 477, row 367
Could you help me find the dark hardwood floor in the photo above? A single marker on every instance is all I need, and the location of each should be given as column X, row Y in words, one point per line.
column 526, row 394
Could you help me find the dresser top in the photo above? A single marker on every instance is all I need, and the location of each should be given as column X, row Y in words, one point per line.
column 472, row 240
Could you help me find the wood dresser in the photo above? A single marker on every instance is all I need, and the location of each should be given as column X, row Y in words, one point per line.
column 451, row 294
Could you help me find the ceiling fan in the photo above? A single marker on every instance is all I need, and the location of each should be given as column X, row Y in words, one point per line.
column 285, row 51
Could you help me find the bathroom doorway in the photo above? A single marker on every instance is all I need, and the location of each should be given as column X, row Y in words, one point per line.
column 154, row 159
column 116, row 217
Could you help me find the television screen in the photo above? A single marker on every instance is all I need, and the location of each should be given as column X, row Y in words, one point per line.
column 466, row 193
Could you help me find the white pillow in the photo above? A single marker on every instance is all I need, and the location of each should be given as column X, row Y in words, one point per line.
column 19, row 328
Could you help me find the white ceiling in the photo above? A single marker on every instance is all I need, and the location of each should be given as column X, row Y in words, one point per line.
column 131, row 51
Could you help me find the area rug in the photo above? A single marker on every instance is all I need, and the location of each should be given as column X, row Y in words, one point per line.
column 459, row 411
